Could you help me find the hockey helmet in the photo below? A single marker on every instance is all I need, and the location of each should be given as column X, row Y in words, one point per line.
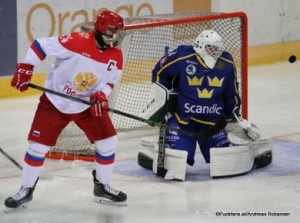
column 108, row 23
column 209, row 45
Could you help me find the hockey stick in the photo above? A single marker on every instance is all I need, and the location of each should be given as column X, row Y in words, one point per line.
column 42, row 176
column 198, row 135
column 161, row 170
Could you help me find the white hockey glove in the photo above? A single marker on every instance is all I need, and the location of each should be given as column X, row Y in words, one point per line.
column 236, row 120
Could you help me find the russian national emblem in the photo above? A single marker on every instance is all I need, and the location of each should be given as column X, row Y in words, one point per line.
column 84, row 81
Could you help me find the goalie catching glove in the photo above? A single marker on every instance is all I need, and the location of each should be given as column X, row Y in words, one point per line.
column 22, row 76
column 235, row 123
column 100, row 104
column 248, row 150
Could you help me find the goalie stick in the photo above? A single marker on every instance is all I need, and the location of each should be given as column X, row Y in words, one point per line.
column 198, row 135
column 42, row 176
column 161, row 171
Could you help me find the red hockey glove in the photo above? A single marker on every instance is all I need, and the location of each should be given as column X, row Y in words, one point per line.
column 22, row 76
column 100, row 105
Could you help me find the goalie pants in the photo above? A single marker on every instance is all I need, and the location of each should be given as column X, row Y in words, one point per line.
column 48, row 123
column 178, row 141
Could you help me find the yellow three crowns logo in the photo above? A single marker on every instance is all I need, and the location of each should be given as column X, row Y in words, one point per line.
column 204, row 93
column 84, row 81
column 212, row 82
column 195, row 81
column 215, row 82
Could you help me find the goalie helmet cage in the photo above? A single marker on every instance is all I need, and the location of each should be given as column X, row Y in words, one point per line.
column 145, row 40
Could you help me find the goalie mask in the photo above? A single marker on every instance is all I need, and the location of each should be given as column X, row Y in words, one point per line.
column 209, row 46
column 108, row 26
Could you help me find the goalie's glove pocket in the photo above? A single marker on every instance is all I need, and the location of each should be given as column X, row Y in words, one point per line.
column 236, row 124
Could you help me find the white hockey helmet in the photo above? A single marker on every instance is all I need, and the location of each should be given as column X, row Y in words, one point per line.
column 209, row 46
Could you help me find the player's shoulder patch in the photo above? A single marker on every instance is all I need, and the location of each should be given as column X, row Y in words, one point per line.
column 66, row 38
column 75, row 41
column 74, row 37
column 85, row 35
column 168, row 56
column 164, row 60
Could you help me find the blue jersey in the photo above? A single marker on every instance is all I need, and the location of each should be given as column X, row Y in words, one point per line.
column 204, row 95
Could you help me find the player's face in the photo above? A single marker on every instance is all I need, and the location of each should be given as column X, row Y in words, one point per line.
column 213, row 51
column 111, row 35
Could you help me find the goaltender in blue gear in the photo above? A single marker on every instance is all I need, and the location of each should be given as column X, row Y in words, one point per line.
column 203, row 78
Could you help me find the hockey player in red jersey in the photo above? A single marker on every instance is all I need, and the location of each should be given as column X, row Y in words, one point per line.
column 87, row 66
column 203, row 76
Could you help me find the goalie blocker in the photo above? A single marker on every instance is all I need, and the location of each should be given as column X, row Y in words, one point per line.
column 161, row 102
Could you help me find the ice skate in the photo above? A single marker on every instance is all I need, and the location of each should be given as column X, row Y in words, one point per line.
column 20, row 200
column 106, row 195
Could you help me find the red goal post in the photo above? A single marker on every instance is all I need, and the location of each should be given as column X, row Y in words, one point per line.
column 144, row 42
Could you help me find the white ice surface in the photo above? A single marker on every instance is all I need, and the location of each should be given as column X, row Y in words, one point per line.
column 274, row 105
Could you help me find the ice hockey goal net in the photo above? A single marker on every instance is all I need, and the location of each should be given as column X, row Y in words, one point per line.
column 145, row 42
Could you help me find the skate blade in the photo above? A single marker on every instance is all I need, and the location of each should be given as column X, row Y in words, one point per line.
column 103, row 200
column 21, row 207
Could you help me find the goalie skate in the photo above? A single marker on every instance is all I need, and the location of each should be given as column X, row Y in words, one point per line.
column 20, row 200
column 104, row 194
